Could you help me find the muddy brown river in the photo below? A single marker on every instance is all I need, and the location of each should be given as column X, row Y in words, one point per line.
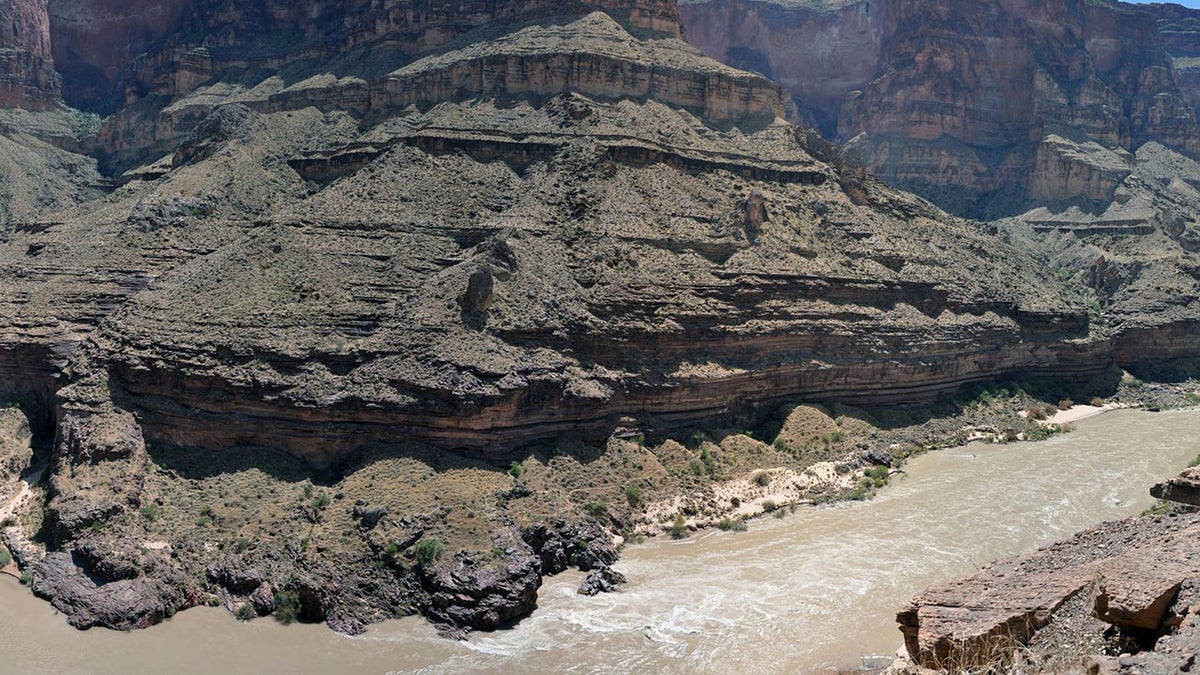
column 816, row 589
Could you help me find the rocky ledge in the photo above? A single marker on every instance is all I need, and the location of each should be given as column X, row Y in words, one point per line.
column 1123, row 597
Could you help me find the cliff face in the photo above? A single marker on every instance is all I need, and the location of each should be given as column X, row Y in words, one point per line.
column 955, row 100
column 114, row 53
column 1180, row 30
column 27, row 75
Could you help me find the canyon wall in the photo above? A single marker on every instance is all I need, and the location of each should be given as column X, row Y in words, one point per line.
column 1180, row 30
column 27, row 75
column 114, row 53
column 954, row 100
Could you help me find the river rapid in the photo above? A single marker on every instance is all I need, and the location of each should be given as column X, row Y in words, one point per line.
column 816, row 589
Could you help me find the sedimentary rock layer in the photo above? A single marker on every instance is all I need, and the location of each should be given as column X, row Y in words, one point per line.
column 27, row 75
column 1129, row 574
column 954, row 100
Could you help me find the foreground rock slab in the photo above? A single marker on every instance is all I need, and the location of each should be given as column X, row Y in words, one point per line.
column 1128, row 574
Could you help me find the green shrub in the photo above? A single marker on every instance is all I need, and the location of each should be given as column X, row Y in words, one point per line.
column 1037, row 432
column 696, row 467
column 245, row 612
column 150, row 512
column 633, row 495
column 1066, row 404
column 27, row 577
column 679, row 528
column 762, row 479
column 596, row 509
column 5, row 557
column 429, row 550
column 877, row 472
column 769, row 506
column 242, row 544
column 515, row 470
column 732, row 525
column 320, row 501
column 391, row 549
column 287, row 607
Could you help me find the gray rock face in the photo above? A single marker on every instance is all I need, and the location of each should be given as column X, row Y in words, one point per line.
column 1129, row 575
column 956, row 101
column 16, row 450
column 90, row 599
column 602, row 580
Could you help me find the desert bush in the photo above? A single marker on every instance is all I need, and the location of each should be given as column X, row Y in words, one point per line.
column 678, row 528
column 287, row 607
column 633, row 495
column 429, row 550
column 245, row 612
column 732, row 525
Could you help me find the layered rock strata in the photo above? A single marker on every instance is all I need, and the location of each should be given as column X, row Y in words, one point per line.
column 961, row 102
column 28, row 78
column 1137, row 577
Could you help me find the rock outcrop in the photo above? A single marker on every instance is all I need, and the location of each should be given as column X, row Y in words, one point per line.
column 1130, row 575
column 1180, row 30
column 28, row 78
column 960, row 102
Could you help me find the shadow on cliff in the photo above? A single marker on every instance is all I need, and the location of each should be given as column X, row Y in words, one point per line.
column 201, row 463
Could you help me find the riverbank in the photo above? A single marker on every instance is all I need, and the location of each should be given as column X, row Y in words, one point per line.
column 833, row 574
column 419, row 530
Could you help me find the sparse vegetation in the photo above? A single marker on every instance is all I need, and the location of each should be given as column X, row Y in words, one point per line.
column 428, row 551
column 679, row 528
column 287, row 607
column 515, row 470
column 633, row 495
column 878, row 475
column 5, row 557
column 732, row 525
column 769, row 506
column 762, row 479
column 150, row 512
column 245, row 612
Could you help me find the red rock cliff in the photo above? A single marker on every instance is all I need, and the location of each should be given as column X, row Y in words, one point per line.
column 112, row 53
column 953, row 99
column 27, row 75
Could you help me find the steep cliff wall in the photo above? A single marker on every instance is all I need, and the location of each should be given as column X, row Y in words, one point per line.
column 954, row 99
column 27, row 76
column 113, row 53
column 1180, row 29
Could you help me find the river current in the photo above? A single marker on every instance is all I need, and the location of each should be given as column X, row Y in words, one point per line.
column 816, row 589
